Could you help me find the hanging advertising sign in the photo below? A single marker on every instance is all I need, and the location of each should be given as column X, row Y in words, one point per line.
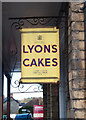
column 40, row 55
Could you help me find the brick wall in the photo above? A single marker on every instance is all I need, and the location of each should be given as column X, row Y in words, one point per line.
column 50, row 100
column 72, row 94
column 76, row 61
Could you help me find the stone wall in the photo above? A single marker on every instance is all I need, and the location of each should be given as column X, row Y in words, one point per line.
column 76, row 61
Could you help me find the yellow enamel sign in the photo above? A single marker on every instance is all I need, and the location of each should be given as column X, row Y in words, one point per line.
column 40, row 55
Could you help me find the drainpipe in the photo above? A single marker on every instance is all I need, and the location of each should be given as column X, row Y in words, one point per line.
column 8, row 96
column 51, row 102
